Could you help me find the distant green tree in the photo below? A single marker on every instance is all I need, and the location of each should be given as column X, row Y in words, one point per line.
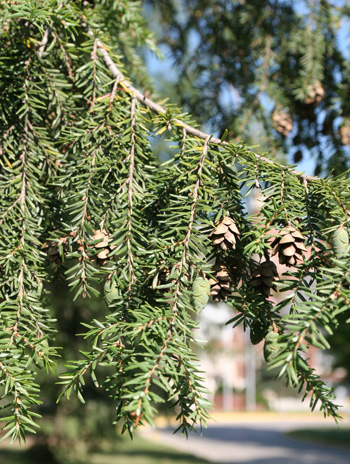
column 83, row 197
column 280, row 64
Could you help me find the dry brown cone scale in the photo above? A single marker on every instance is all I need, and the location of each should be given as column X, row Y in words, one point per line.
column 225, row 234
column 264, row 277
column 289, row 245
column 220, row 286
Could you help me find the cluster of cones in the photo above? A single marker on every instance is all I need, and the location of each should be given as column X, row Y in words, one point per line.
column 225, row 235
column 56, row 248
column 281, row 119
column 288, row 246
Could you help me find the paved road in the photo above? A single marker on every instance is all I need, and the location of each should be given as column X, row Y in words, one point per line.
column 253, row 443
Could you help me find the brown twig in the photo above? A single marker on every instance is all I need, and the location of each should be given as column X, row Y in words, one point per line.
column 132, row 277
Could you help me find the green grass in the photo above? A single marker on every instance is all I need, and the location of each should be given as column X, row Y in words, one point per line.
column 324, row 436
column 125, row 451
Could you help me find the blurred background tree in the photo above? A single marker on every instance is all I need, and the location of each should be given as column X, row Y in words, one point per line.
column 273, row 73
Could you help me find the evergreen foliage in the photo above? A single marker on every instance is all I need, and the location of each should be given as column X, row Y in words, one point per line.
column 84, row 196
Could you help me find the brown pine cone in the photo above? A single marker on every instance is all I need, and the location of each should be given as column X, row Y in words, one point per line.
column 264, row 277
column 289, row 245
column 282, row 122
column 220, row 286
column 225, row 234
column 102, row 245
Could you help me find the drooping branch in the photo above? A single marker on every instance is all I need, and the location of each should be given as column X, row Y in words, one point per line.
column 177, row 284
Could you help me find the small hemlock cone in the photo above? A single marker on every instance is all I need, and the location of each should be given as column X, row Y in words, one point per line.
column 225, row 234
column 282, row 122
column 264, row 277
column 289, row 245
column 220, row 287
column 102, row 245
column 315, row 94
column 298, row 156
column 345, row 133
